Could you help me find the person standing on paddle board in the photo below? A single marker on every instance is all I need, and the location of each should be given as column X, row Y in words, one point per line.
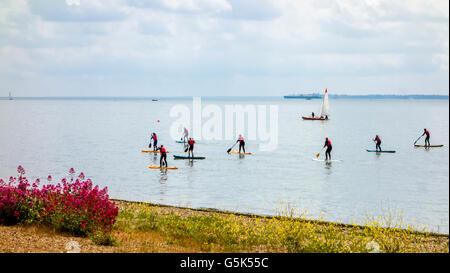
column 186, row 134
column 329, row 148
column 312, row 115
column 163, row 157
column 191, row 143
column 427, row 139
column 155, row 142
column 377, row 139
column 241, row 143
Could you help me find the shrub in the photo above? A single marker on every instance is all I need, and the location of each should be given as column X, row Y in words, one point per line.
column 76, row 207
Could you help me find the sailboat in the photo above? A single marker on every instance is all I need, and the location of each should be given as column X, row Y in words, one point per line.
column 324, row 112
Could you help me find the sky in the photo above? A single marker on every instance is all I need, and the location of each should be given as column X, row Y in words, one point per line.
column 223, row 47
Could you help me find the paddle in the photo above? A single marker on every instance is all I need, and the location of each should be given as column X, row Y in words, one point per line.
column 418, row 139
column 229, row 150
column 317, row 155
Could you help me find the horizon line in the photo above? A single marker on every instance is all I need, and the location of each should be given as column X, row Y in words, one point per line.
column 237, row 96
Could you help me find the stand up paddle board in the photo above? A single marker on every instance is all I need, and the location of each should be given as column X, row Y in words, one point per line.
column 188, row 157
column 238, row 153
column 323, row 160
column 150, row 151
column 162, row 168
column 375, row 151
column 180, row 141
column 428, row 146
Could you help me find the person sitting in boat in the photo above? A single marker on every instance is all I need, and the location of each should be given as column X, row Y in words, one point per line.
column 163, row 158
column 241, row 143
column 191, row 143
column 329, row 148
column 155, row 142
column 427, row 139
column 377, row 139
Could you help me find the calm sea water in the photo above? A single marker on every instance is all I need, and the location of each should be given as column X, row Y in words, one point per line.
column 104, row 137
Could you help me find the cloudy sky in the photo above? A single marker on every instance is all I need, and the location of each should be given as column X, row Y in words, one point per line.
column 222, row 47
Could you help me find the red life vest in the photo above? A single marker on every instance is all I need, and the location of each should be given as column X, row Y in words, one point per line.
column 155, row 137
column 163, row 150
column 378, row 139
column 328, row 143
column 427, row 132
column 191, row 142
column 241, row 139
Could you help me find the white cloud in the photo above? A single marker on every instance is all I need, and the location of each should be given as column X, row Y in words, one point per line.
column 173, row 44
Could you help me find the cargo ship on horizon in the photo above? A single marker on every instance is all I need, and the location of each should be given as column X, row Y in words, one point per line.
column 304, row 96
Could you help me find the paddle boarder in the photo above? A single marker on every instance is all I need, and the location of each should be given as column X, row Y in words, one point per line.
column 186, row 134
column 377, row 139
column 427, row 139
column 329, row 148
column 155, row 142
column 312, row 115
column 163, row 157
column 241, row 143
column 191, row 143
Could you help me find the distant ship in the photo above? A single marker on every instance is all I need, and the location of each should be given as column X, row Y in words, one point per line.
column 304, row 96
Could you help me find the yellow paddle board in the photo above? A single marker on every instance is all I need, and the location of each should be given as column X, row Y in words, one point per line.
column 236, row 152
column 162, row 168
column 150, row 151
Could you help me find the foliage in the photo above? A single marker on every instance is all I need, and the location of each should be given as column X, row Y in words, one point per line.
column 74, row 206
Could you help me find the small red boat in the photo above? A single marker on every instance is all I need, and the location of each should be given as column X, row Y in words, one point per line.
column 324, row 109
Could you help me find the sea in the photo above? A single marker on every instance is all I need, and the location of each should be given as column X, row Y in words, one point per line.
column 103, row 138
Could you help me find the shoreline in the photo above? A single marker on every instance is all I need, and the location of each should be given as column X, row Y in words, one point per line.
column 264, row 216
column 157, row 228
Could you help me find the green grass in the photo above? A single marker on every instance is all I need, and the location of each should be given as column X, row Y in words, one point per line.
column 227, row 232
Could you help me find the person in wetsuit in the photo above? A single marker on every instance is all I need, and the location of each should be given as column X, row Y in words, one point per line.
column 329, row 148
column 241, row 143
column 191, row 143
column 427, row 139
column 185, row 135
column 377, row 139
column 155, row 142
column 163, row 158
column 312, row 115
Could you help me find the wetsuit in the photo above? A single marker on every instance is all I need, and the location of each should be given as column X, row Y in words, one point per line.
column 191, row 143
column 427, row 139
column 155, row 141
column 329, row 148
column 378, row 146
column 241, row 144
column 163, row 157
column 312, row 114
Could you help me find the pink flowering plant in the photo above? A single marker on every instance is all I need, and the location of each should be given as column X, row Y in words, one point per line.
column 76, row 206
